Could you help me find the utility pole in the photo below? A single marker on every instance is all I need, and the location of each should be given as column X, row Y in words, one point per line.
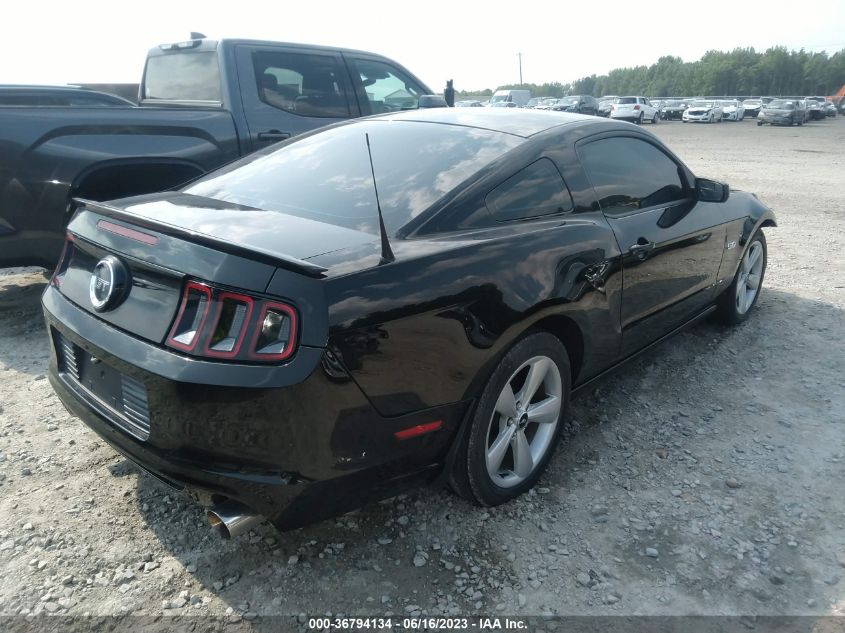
column 520, row 68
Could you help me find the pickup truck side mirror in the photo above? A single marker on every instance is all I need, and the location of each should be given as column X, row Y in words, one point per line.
column 432, row 101
column 711, row 190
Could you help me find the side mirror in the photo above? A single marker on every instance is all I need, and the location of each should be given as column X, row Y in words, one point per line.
column 711, row 190
column 432, row 101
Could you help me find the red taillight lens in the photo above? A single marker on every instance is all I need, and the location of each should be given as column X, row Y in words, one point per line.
column 216, row 323
column 230, row 325
column 275, row 335
column 196, row 301
column 636, row 107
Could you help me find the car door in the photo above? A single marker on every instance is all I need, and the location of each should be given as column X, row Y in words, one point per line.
column 648, row 109
column 286, row 91
column 671, row 244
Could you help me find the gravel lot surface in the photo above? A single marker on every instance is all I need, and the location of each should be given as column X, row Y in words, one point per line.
column 705, row 479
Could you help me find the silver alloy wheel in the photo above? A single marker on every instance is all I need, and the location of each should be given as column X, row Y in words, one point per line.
column 524, row 421
column 750, row 275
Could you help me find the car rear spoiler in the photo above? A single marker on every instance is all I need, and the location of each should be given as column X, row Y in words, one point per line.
column 257, row 254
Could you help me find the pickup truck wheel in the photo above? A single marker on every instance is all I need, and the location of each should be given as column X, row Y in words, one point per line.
column 736, row 302
column 516, row 424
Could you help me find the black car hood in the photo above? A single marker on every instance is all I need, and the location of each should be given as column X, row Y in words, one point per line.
column 270, row 234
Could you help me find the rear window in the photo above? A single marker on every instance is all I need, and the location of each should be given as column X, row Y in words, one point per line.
column 189, row 76
column 626, row 100
column 327, row 176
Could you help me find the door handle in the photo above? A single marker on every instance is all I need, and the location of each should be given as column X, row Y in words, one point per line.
column 273, row 135
column 642, row 248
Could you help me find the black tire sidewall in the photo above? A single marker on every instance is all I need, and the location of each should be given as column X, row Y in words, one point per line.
column 483, row 489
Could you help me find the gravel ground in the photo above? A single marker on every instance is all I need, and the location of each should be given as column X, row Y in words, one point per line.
column 706, row 479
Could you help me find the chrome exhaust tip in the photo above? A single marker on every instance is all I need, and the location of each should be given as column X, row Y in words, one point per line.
column 231, row 518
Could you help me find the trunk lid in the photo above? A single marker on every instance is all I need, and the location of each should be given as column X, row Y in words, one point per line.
column 159, row 242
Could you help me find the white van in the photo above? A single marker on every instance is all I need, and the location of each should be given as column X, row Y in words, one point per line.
column 518, row 97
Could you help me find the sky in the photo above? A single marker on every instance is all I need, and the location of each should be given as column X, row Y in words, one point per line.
column 477, row 44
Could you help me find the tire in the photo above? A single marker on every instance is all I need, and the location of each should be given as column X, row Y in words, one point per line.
column 800, row 123
column 710, row 118
column 640, row 119
column 735, row 304
column 494, row 436
column 759, row 123
column 655, row 119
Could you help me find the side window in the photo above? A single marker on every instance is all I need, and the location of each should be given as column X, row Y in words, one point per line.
column 535, row 191
column 301, row 83
column 629, row 174
column 387, row 88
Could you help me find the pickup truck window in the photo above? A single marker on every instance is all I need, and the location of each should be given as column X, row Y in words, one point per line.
column 388, row 89
column 183, row 76
column 301, row 83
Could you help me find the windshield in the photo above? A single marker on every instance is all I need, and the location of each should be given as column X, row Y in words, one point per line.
column 568, row 101
column 500, row 98
column 672, row 103
column 701, row 104
column 782, row 104
column 327, row 176
column 729, row 104
column 752, row 102
column 189, row 76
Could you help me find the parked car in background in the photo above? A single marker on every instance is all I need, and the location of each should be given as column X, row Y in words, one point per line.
column 204, row 103
column 502, row 104
column 581, row 104
column 703, row 111
column 752, row 107
column 468, row 103
column 814, row 108
column 533, row 102
column 285, row 348
column 517, row 97
column 673, row 109
column 11, row 95
column 634, row 109
column 732, row 110
column 829, row 109
column 605, row 104
column 782, row 112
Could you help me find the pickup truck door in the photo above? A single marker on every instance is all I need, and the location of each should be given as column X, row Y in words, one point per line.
column 671, row 244
column 288, row 90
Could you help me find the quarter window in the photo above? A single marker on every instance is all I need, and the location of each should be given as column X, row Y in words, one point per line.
column 629, row 174
column 387, row 88
column 535, row 191
column 300, row 83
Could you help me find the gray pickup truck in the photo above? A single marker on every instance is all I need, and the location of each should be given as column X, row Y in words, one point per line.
column 202, row 104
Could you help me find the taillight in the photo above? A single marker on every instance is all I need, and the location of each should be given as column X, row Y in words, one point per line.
column 274, row 336
column 64, row 260
column 636, row 107
column 218, row 323
column 612, row 108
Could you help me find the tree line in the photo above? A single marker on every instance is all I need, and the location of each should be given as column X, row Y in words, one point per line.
column 742, row 71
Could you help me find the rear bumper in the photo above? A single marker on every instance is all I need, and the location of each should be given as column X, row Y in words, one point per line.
column 295, row 454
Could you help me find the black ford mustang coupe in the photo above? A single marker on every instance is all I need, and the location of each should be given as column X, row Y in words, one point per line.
column 402, row 299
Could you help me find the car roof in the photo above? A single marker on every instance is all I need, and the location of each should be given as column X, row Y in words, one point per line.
column 517, row 122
